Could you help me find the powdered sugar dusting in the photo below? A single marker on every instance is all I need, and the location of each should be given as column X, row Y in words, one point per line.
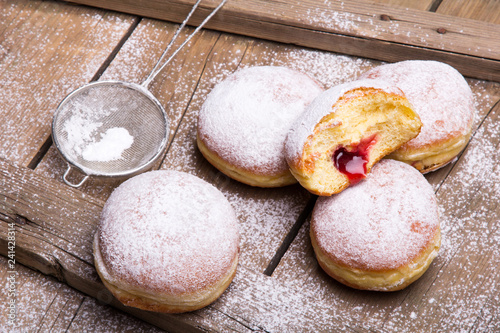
column 246, row 117
column 459, row 291
column 321, row 106
column 49, row 305
column 328, row 68
column 67, row 48
column 439, row 94
column 167, row 231
column 394, row 208
column 110, row 147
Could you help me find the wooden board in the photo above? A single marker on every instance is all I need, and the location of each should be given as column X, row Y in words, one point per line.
column 278, row 286
column 350, row 27
column 34, row 44
column 484, row 10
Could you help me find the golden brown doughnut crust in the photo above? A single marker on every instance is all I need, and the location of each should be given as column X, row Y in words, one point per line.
column 166, row 304
column 277, row 179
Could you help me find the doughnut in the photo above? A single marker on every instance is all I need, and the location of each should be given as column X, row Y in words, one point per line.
column 380, row 234
column 166, row 242
column 345, row 131
column 244, row 121
column 443, row 100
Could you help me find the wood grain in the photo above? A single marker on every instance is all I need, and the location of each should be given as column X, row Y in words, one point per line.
column 47, row 49
column 265, row 215
column 45, row 241
column 52, row 306
column 484, row 10
column 356, row 28
column 54, row 224
column 422, row 5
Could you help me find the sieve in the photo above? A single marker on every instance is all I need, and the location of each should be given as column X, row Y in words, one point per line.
column 115, row 128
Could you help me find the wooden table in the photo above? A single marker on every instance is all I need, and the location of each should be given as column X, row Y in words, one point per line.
column 49, row 48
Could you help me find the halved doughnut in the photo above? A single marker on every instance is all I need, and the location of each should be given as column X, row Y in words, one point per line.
column 345, row 131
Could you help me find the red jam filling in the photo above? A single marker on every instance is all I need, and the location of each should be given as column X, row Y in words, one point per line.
column 352, row 161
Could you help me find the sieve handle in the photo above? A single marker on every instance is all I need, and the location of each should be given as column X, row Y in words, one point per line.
column 65, row 178
column 157, row 70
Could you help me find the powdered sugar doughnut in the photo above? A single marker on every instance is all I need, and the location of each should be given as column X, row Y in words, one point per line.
column 167, row 242
column 345, row 131
column 443, row 100
column 381, row 234
column 243, row 123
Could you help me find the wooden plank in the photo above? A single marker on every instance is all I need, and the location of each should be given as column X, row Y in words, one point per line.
column 264, row 214
column 256, row 207
column 252, row 301
column 47, row 49
column 182, row 87
column 45, row 241
column 354, row 28
column 485, row 96
column 483, row 10
column 52, row 306
column 421, row 5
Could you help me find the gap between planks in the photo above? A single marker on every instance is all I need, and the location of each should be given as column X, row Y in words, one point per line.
column 454, row 164
column 361, row 30
column 289, row 238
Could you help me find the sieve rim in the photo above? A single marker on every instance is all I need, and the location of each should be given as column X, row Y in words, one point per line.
column 92, row 172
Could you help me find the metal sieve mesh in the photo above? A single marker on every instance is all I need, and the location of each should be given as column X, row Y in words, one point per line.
column 85, row 117
column 114, row 128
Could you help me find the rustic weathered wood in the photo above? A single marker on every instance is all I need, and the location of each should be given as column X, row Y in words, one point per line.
column 47, row 49
column 483, row 10
column 422, row 5
column 44, row 303
column 351, row 27
column 486, row 94
column 265, row 215
column 53, row 222
column 46, row 242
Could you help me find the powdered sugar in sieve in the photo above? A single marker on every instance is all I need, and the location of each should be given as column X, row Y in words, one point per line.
column 114, row 128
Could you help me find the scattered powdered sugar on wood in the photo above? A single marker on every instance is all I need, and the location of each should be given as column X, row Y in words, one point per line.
column 35, row 49
column 138, row 55
column 329, row 69
column 477, row 172
column 464, row 294
column 266, row 305
column 264, row 216
column 50, row 305
column 353, row 20
column 94, row 316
